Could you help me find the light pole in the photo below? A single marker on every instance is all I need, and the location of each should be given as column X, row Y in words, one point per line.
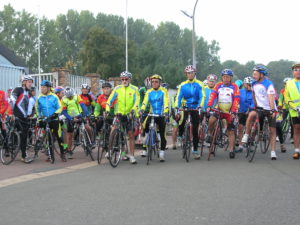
column 126, row 51
column 39, row 41
column 193, row 34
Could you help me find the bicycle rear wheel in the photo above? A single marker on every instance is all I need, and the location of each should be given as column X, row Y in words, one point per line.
column 101, row 147
column 115, row 148
column 10, row 147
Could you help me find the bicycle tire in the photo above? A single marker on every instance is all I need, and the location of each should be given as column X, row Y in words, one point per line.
column 115, row 148
column 285, row 129
column 100, row 150
column 13, row 147
column 251, row 150
column 149, row 146
column 187, row 144
column 213, row 144
column 88, row 145
column 201, row 137
column 265, row 142
column 49, row 146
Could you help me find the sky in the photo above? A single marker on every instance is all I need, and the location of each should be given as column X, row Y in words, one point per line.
column 259, row 30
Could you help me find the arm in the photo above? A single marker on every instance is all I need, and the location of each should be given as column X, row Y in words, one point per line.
column 111, row 99
column 236, row 99
column 97, row 110
column 145, row 102
column 166, row 101
column 179, row 98
column 137, row 102
column 213, row 96
column 58, row 105
column 202, row 95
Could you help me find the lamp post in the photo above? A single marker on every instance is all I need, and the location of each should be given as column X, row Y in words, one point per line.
column 193, row 34
column 126, row 51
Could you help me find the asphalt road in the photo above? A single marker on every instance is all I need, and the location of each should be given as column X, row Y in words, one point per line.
column 220, row 191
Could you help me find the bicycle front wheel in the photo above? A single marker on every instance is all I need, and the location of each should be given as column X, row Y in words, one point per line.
column 10, row 147
column 115, row 147
column 187, row 144
column 265, row 138
column 252, row 145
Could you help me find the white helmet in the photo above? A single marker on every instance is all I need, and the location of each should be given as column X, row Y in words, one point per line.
column 126, row 74
column 85, row 86
column 27, row 77
column 147, row 82
column 69, row 92
column 205, row 82
column 286, row 79
column 248, row 80
column 212, row 77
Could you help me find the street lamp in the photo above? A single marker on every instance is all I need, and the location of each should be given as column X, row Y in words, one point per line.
column 193, row 34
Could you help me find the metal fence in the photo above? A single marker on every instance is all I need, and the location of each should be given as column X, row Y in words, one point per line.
column 10, row 76
column 76, row 82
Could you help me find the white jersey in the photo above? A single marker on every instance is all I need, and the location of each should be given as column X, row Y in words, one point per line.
column 261, row 91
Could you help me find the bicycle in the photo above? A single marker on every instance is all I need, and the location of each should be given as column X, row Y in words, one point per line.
column 10, row 145
column 219, row 137
column 285, row 127
column 187, row 139
column 152, row 139
column 102, row 142
column 82, row 137
column 265, row 133
column 118, row 140
column 202, row 131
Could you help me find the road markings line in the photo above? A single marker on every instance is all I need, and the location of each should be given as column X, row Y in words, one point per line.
column 29, row 177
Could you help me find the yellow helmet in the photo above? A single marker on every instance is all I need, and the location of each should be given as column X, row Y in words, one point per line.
column 155, row 76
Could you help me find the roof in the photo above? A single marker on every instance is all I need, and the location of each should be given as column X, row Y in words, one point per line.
column 11, row 56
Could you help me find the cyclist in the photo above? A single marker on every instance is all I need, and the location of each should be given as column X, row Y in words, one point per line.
column 128, row 103
column 32, row 102
column 264, row 98
column 4, row 111
column 228, row 97
column 60, row 92
column 192, row 91
column 239, row 83
column 48, row 105
column 72, row 108
column 87, row 99
column 20, row 96
column 246, row 104
column 292, row 99
column 158, row 98
column 211, row 83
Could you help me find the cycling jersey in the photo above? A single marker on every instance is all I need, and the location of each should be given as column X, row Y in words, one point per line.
column 208, row 92
column 47, row 105
column 228, row 97
column 158, row 99
column 246, row 100
column 281, row 100
column 261, row 91
column 101, row 105
column 73, row 107
column 192, row 92
column 3, row 102
column 128, row 98
column 88, row 101
column 21, row 100
column 292, row 96
column 31, row 106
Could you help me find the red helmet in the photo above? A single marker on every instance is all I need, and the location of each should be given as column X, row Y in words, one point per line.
column 190, row 69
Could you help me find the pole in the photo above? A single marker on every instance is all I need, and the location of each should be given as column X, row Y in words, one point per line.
column 194, row 38
column 126, row 35
column 39, row 41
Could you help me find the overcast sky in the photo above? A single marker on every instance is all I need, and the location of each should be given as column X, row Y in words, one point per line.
column 259, row 30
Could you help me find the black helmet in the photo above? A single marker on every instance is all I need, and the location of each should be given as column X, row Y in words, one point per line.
column 106, row 84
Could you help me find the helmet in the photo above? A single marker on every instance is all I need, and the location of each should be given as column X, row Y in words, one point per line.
column 248, row 80
column 126, row 74
column 10, row 89
column 46, row 83
column 155, row 76
column 27, row 77
column 32, row 88
column 69, row 92
column 239, row 83
column 227, row 72
column 286, row 79
column 58, row 89
column 106, row 84
column 295, row 65
column 147, row 82
column 190, row 69
column 165, row 85
column 261, row 69
column 85, row 86
column 212, row 77
column 205, row 82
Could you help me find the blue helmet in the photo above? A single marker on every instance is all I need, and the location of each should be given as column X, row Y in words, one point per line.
column 227, row 72
column 46, row 83
column 261, row 69
column 239, row 83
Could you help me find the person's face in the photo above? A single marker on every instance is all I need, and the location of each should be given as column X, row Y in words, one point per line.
column 190, row 75
column 125, row 81
column 61, row 94
column 85, row 91
column 296, row 73
column 247, row 86
column 256, row 75
column 226, row 79
column 45, row 90
column 211, row 83
column 33, row 93
column 106, row 91
column 155, row 83
column 9, row 93
column 28, row 84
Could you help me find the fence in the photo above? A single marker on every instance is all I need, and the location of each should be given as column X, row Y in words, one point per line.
column 10, row 76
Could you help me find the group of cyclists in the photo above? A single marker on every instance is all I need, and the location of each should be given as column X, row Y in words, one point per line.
column 237, row 103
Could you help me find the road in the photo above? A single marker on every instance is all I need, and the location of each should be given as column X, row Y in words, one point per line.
column 220, row 191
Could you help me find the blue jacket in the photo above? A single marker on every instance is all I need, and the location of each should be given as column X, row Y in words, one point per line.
column 192, row 92
column 158, row 99
column 207, row 91
column 246, row 100
column 47, row 105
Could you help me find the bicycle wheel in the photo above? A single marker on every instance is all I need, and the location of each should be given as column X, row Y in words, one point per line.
column 265, row 137
column 213, row 145
column 202, row 135
column 11, row 147
column 285, row 128
column 252, row 145
column 187, row 143
column 48, row 145
column 115, row 148
column 88, row 145
column 101, row 147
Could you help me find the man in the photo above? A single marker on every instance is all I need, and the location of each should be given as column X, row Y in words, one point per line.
column 264, row 98
column 72, row 106
column 292, row 99
column 87, row 99
column 246, row 104
column 227, row 96
column 60, row 92
column 158, row 98
column 48, row 105
column 128, row 102
column 20, row 96
column 192, row 92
